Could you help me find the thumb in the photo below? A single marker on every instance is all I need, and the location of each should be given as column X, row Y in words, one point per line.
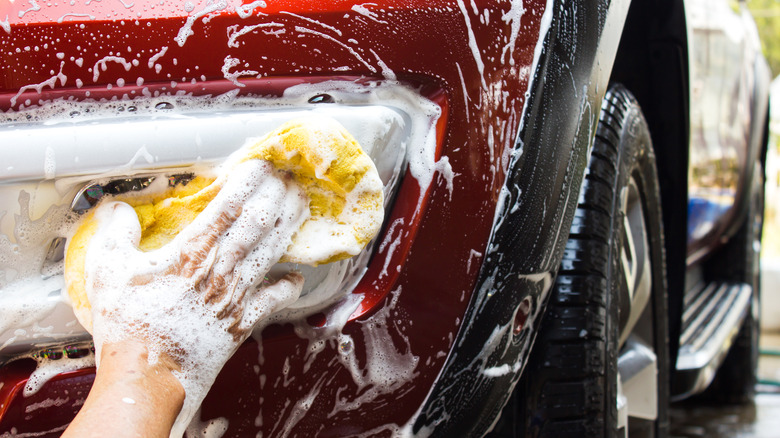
column 267, row 300
column 118, row 227
column 112, row 248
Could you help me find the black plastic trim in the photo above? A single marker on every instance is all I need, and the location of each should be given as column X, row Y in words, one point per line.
column 527, row 243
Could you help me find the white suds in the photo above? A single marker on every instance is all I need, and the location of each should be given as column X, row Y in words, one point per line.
column 386, row 71
column 153, row 59
column 234, row 34
column 51, row 82
column 6, row 25
column 472, row 255
column 466, row 97
column 318, row 23
column 501, row 370
column 47, row 403
column 33, row 8
column 101, row 65
column 364, row 11
column 420, row 147
column 186, row 29
column 49, row 368
column 421, row 150
column 231, row 62
column 62, row 18
column 354, row 53
column 393, row 243
column 514, row 15
column 473, row 43
column 214, row 428
column 271, row 210
column 245, row 11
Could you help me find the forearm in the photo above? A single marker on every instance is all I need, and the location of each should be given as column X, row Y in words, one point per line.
column 130, row 397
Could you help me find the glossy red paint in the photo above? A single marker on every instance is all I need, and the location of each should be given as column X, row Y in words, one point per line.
column 41, row 413
column 476, row 66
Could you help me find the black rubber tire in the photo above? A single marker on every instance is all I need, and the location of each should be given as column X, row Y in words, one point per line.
column 569, row 387
column 738, row 261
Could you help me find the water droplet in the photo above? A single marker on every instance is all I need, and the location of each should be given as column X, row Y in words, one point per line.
column 521, row 316
column 322, row 98
column 345, row 346
column 164, row 106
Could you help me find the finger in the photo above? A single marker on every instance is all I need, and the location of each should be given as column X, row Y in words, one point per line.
column 292, row 212
column 249, row 231
column 118, row 227
column 265, row 301
column 192, row 247
column 259, row 238
column 112, row 247
column 199, row 253
column 250, row 272
column 236, row 188
column 198, row 269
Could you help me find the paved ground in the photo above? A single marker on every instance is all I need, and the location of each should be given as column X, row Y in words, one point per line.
column 761, row 420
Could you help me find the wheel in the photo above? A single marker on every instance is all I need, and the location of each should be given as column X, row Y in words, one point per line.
column 735, row 380
column 599, row 367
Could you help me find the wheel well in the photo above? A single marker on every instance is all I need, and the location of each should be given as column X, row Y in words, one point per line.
column 652, row 62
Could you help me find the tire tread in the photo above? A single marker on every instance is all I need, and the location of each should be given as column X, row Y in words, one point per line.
column 569, row 379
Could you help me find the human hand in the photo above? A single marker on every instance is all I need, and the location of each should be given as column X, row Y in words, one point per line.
column 198, row 297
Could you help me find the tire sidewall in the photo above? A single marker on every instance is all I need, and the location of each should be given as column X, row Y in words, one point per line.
column 637, row 161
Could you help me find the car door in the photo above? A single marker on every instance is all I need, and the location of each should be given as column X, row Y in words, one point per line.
column 722, row 78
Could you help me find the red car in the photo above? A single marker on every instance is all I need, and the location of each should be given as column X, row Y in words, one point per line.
column 574, row 203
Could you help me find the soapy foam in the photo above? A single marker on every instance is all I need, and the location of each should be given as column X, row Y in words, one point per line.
column 214, row 428
column 340, row 179
column 256, row 193
column 421, row 150
column 26, row 296
column 306, row 30
column 186, row 30
column 380, row 363
column 27, row 304
column 315, row 22
column 339, row 279
column 14, row 434
column 49, row 402
column 246, row 10
column 6, row 25
column 191, row 376
column 420, row 155
column 48, row 368
column 513, row 16
column 51, row 83
column 475, row 52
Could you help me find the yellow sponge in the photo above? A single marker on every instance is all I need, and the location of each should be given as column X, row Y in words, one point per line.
column 343, row 186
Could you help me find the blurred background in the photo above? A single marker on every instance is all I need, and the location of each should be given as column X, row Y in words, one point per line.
column 767, row 16
column 761, row 420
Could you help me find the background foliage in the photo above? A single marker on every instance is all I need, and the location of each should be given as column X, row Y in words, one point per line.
column 767, row 16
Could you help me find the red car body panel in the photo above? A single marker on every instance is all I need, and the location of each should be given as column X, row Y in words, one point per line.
column 476, row 65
